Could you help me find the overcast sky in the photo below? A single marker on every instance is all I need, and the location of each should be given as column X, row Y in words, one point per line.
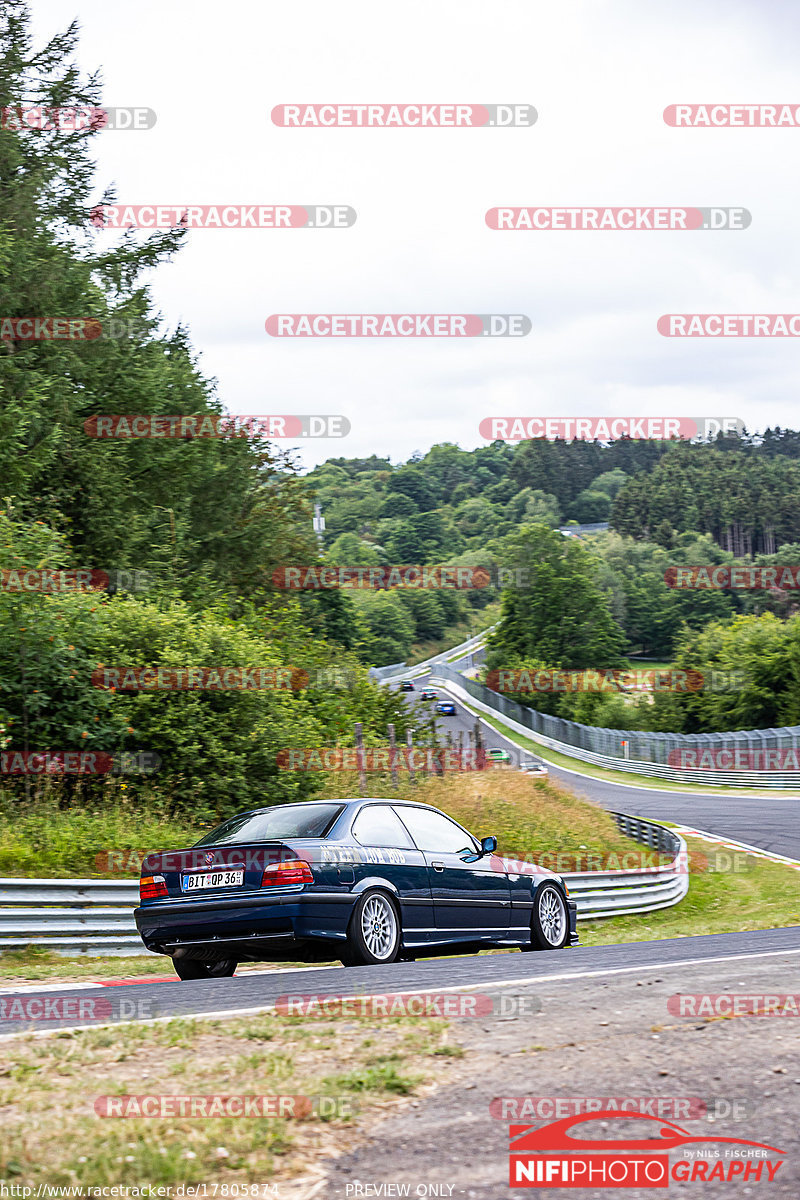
column 599, row 72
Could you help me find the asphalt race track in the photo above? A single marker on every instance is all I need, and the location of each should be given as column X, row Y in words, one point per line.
column 771, row 823
column 250, row 993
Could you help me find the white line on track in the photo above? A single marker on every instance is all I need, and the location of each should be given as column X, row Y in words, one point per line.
column 731, row 844
column 47, row 987
column 223, row 1013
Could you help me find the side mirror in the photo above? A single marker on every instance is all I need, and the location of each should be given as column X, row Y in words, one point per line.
column 488, row 845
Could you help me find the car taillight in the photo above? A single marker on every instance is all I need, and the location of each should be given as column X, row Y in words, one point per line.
column 293, row 870
column 152, row 887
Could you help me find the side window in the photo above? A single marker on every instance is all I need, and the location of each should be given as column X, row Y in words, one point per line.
column 433, row 831
column 377, row 825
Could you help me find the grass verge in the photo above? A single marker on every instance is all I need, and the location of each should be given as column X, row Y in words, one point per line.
column 41, row 840
column 753, row 894
column 53, row 1134
column 528, row 817
column 35, row 963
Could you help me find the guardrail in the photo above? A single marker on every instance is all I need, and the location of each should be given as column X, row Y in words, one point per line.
column 612, row 893
column 380, row 673
column 397, row 670
column 78, row 917
column 70, row 916
column 540, row 727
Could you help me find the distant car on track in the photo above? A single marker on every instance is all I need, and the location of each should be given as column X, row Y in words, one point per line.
column 498, row 756
column 446, row 708
column 428, row 694
column 407, row 686
column 534, row 767
column 364, row 881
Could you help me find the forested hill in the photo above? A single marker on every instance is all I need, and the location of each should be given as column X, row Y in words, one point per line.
column 590, row 603
column 574, row 604
column 743, row 491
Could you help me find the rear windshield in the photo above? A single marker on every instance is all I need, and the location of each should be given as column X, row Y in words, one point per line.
column 284, row 821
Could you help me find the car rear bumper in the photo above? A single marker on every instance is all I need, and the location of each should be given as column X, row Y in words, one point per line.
column 249, row 924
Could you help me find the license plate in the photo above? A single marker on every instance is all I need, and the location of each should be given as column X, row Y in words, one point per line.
column 212, row 879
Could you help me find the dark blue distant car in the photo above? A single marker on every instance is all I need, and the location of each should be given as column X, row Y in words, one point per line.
column 364, row 881
column 446, row 708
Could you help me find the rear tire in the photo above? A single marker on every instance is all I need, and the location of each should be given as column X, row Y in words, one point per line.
column 550, row 920
column 195, row 968
column 373, row 936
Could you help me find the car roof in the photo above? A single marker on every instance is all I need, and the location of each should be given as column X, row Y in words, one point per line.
column 348, row 800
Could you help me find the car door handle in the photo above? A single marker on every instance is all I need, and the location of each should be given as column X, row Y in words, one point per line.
column 438, row 866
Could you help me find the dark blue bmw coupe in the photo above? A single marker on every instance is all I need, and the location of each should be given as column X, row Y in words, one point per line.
column 364, row 881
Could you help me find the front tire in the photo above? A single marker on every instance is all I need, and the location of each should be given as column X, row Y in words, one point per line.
column 550, row 921
column 194, row 968
column 373, row 936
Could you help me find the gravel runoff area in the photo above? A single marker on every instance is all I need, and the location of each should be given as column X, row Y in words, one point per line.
column 600, row 1037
